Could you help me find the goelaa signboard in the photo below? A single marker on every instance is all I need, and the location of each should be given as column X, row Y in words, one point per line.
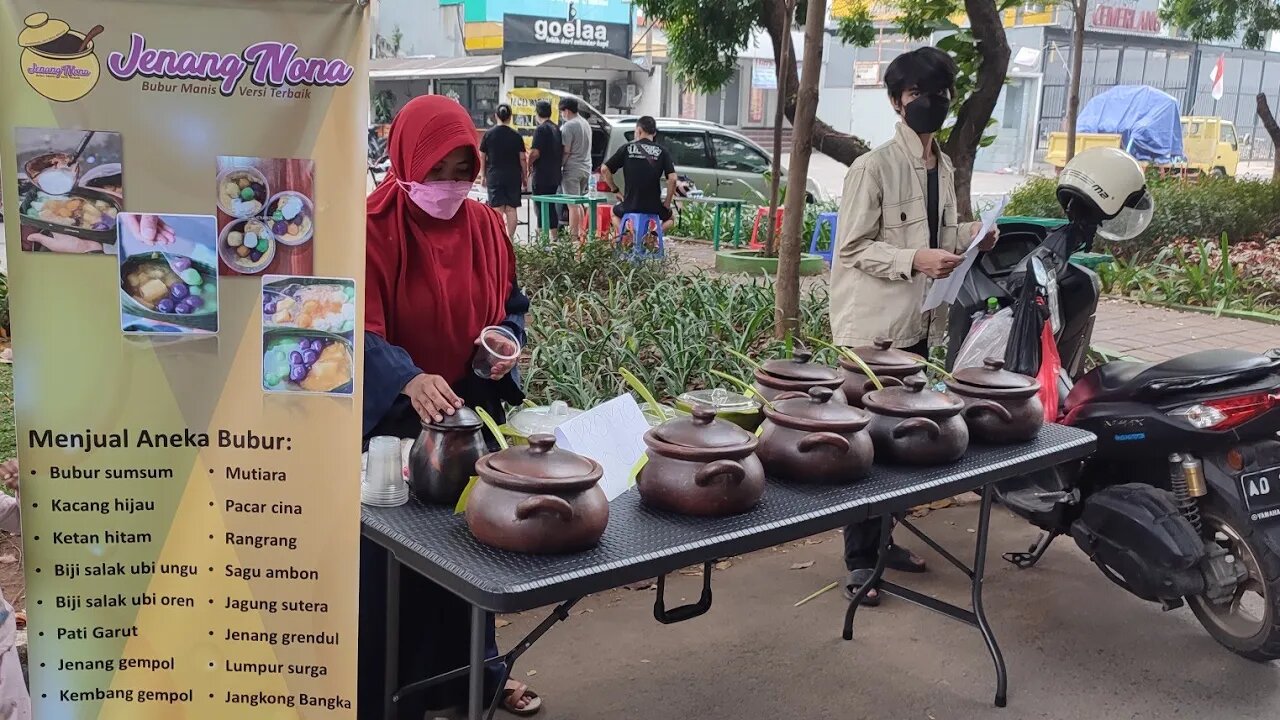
column 528, row 35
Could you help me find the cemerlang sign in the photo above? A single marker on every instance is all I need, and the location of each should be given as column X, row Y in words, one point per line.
column 1131, row 16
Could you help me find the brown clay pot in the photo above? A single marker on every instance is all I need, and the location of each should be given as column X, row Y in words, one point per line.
column 701, row 466
column 537, row 498
column 890, row 366
column 1001, row 407
column 914, row 426
column 796, row 374
column 808, row 438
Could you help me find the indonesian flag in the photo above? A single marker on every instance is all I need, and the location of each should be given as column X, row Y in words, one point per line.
column 1219, row 76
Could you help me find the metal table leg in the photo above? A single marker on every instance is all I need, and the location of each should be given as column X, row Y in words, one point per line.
column 544, row 213
column 886, row 539
column 737, row 225
column 475, row 685
column 391, row 677
column 715, row 229
column 976, row 617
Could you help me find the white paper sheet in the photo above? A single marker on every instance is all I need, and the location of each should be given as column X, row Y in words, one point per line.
column 945, row 291
column 612, row 434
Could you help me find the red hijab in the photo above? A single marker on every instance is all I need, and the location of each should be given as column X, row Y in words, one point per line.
column 432, row 285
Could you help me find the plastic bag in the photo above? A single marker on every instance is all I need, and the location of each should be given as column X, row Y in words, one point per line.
column 1050, row 365
column 1029, row 316
column 988, row 338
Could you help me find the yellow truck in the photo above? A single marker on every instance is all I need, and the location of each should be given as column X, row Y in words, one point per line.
column 1210, row 145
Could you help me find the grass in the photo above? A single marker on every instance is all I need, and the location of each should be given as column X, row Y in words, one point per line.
column 8, row 432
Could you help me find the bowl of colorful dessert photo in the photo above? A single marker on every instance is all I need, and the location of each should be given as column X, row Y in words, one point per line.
column 292, row 217
column 307, row 361
column 242, row 192
column 310, row 304
column 247, row 246
column 83, row 213
column 170, row 288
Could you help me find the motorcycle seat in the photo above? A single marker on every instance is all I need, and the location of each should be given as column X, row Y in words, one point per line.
column 1126, row 380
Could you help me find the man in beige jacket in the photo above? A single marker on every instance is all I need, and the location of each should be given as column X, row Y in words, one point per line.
column 898, row 232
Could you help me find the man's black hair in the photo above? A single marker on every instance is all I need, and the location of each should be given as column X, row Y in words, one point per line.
column 504, row 112
column 648, row 125
column 927, row 69
column 570, row 104
column 544, row 109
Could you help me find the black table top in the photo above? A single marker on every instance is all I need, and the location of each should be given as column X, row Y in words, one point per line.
column 642, row 543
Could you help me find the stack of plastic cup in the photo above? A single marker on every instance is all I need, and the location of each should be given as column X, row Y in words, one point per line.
column 383, row 484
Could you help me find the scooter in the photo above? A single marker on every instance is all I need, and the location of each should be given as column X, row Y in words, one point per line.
column 1180, row 503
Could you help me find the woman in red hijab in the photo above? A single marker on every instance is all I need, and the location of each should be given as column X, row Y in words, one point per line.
column 440, row 270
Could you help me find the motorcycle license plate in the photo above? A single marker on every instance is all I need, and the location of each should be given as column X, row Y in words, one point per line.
column 1261, row 493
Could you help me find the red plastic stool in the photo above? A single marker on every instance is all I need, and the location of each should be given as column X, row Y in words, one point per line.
column 604, row 220
column 761, row 214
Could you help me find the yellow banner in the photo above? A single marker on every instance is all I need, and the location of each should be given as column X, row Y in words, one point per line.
column 184, row 212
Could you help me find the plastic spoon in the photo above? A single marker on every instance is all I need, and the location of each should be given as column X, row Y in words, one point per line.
column 88, row 38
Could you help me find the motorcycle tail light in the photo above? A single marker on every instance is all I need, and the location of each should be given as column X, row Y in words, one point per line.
column 1228, row 413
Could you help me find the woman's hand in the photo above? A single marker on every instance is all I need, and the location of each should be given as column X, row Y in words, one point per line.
column 149, row 229
column 432, row 397
column 505, row 346
column 59, row 243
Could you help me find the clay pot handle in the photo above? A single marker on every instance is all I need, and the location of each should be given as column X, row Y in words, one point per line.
column 813, row 441
column 906, row 427
column 549, row 504
column 731, row 470
column 980, row 406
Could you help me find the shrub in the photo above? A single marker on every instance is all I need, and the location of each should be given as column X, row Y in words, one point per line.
column 1242, row 209
column 594, row 313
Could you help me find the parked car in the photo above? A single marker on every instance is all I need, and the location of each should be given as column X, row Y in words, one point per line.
column 719, row 161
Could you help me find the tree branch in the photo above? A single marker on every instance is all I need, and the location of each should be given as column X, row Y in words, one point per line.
column 827, row 140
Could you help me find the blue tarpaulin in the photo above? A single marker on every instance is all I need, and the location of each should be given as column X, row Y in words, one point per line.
column 1148, row 120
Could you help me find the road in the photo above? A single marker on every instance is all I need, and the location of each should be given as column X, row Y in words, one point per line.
column 1078, row 647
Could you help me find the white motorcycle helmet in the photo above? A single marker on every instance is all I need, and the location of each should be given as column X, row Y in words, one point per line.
column 1107, row 186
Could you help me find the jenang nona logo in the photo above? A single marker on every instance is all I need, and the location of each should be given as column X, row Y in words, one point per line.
column 58, row 62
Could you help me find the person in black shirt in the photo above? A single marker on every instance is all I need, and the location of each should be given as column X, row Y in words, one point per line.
column 504, row 166
column 545, row 157
column 645, row 165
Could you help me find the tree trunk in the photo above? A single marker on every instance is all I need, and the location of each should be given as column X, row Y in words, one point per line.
column 779, row 117
column 786, row 315
column 971, row 121
column 1273, row 129
column 826, row 139
column 1081, row 10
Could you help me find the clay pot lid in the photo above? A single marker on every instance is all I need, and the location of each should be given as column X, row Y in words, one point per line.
column 912, row 400
column 702, row 431
column 799, row 368
column 540, row 466
column 814, row 411
column 41, row 29
column 883, row 357
column 464, row 418
column 992, row 377
column 720, row 400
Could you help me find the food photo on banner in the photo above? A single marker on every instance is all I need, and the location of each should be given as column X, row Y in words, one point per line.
column 168, row 274
column 266, row 215
column 308, row 328
column 70, row 188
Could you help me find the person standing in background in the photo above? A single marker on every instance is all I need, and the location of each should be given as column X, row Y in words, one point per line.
column 504, row 167
column 576, row 170
column 546, row 157
column 898, row 232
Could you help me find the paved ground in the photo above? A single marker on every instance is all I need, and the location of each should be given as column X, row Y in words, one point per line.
column 1078, row 648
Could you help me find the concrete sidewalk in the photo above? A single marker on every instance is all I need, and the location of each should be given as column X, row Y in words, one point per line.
column 1153, row 334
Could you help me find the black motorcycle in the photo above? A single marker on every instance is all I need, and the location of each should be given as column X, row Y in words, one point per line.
column 1180, row 504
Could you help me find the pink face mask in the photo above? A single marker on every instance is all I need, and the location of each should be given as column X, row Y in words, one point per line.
column 440, row 199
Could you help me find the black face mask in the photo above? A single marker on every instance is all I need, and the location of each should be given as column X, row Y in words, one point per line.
column 927, row 113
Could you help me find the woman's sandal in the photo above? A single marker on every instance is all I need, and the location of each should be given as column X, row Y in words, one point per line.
column 513, row 695
column 857, row 579
column 903, row 560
